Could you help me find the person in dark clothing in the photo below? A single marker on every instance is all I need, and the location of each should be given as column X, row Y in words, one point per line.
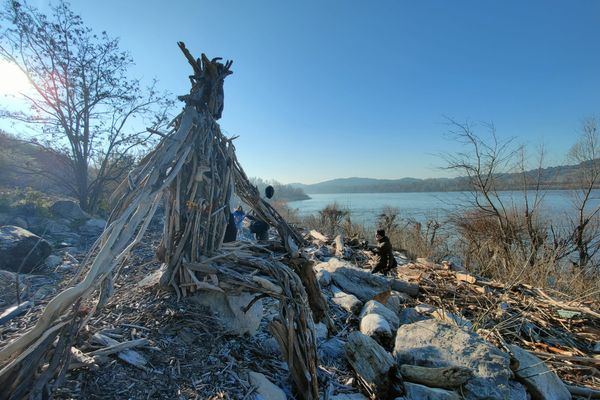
column 385, row 259
column 259, row 227
column 230, row 230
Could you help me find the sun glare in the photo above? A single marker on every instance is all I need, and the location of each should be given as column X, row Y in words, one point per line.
column 12, row 79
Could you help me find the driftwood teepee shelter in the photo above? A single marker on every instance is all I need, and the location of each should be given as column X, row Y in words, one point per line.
column 194, row 170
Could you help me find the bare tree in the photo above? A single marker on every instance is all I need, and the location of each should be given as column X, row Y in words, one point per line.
column 83, row 105
column 585, row 224
column 494, row 228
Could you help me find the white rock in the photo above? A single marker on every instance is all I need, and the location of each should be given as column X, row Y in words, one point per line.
column 374, row 307
column 425, row 308
column 265, row 388
column 361, row 283
column 375, row 326
column 68, row 209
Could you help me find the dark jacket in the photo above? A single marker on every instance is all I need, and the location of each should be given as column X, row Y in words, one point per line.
column 386, row 260
column 230, row 230
column 259, row 227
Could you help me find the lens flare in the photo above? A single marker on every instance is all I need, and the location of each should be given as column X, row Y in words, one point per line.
column 12, row 80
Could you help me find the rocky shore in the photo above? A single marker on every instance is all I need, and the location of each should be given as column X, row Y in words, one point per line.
column 430, row 331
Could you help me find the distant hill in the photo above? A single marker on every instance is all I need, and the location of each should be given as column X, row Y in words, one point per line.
column 561, row 177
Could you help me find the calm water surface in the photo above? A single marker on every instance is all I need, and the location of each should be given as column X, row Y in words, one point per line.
column 365, row 207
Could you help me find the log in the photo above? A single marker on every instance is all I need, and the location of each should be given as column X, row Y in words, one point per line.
column 376, row 370
column 339, row 245
column 461, row 277
column 447, row 377
column 318, row 235
column 129, row 356
column 116, row 348
column 585, row 392
column 316, row 300
column 14, row 311
column 362, row 284
column 79, row 359
column 411, row 289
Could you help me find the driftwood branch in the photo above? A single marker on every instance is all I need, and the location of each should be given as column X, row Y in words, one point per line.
column 448, row 377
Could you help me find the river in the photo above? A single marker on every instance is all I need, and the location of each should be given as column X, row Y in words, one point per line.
column 364, row 207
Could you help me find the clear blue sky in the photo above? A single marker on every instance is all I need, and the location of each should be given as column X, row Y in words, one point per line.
column 327, row 89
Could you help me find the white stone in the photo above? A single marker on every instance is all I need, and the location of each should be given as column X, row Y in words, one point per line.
column 348, row 302
column 265, row 388
column 425, row 308
column 375, row 326
column 375, row 307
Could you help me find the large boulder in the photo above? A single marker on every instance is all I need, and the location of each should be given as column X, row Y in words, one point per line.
column 542, row 383
column 68, row 209
column 432, row 343
column 19, row 246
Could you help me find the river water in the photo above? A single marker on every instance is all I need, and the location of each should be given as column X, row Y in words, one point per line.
column 364, row 207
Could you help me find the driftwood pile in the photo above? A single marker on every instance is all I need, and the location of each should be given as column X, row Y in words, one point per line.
column 517, row 319
column 561, row 333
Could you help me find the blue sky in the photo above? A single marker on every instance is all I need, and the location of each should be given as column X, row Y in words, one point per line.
column 328, row 89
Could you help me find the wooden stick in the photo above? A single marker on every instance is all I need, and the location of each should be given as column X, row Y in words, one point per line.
column 116, row 348
column 448, row 377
